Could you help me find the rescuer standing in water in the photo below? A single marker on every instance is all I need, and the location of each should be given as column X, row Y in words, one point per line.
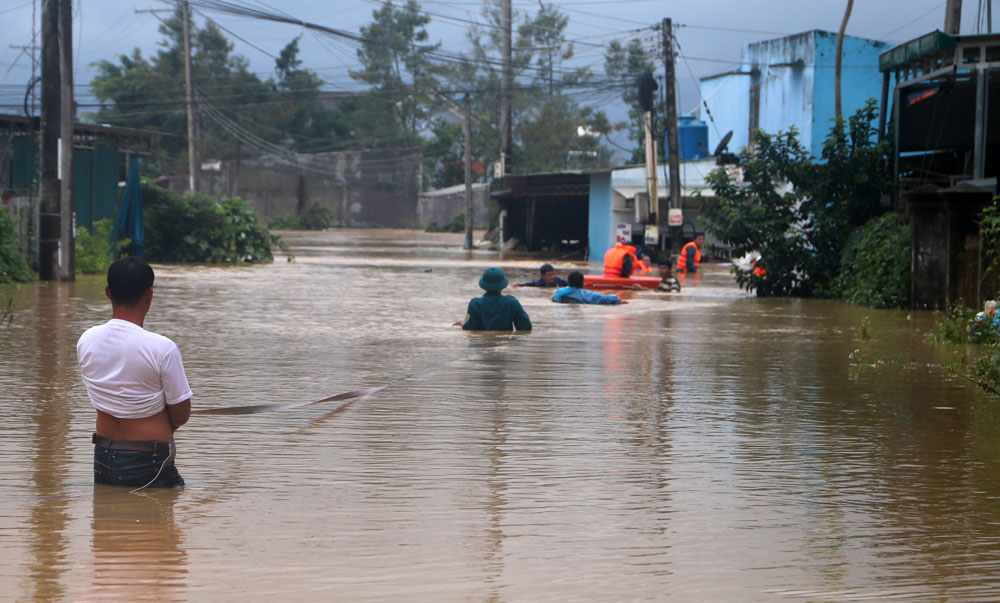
column 690, row 257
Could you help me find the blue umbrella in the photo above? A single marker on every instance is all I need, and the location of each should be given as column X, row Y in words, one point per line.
column 130, row 223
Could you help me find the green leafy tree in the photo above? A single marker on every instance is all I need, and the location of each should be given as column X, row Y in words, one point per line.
column 761, row 214
column 548, row 120
column 625, row 64
column 560, row 133
column 843, row 191
column 397, row 62
column 798, row 213
column 13, row 268
column 150, row 93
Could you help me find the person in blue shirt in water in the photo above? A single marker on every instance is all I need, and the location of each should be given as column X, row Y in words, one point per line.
column 493, row 311
column 547, row 278
column 576, row 294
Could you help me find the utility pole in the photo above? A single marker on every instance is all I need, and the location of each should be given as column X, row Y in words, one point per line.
column 653, row 201
column 673, row 146
column 67, row 234
column 647, row 89
column 55, row 218
column 192, row 146
column 837, row 112
column 953, row 17
column 467, row 130
column 506, row 84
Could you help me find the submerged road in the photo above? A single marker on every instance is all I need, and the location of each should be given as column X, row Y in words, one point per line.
column 706, row 446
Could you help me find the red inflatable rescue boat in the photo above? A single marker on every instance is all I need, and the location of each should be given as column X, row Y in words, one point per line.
column 597, row 281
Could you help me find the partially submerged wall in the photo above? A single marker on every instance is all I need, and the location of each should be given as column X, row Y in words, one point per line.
column 443, row 205
column 361, row 188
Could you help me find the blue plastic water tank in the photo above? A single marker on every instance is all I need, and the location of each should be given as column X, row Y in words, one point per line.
column 692, row 136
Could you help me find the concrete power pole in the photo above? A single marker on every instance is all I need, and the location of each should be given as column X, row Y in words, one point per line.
column 467, row 130
column 953, row 17
column 673, row 146
column 506, row 84
column 642, row 213
column 56, row 220
column 192, row 146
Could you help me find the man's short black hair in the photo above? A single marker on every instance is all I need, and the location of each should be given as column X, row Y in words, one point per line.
column 546, row 268
column 128, row 280
column 665, row 262
column 575, row 279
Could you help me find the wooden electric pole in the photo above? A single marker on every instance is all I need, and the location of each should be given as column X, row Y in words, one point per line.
column 506, row 85
column 953, row 17
column 673, row 146
column 56, row 253
column 467, row 130
column 192, row 146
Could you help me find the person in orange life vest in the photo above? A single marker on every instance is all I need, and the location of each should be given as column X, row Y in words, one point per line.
column 620, row 261
column 640, row 264
column 690, row 256
column 757, row 269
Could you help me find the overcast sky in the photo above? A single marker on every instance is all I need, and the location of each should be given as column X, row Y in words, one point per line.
column 710, row 32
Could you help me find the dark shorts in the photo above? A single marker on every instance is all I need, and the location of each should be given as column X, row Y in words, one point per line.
column 135, row 468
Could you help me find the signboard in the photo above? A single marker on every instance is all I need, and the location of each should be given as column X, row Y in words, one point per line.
column 652, row 235
column 623, row 233
column 675, row 217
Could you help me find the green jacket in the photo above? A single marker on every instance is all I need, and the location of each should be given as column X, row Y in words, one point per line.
column 496, row 312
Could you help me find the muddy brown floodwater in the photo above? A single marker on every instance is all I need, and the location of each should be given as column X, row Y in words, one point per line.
column 706, row 446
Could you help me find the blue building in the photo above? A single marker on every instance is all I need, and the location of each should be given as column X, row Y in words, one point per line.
column 789, row 82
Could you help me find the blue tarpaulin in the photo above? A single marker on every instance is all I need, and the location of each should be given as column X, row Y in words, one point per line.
column 130, row 223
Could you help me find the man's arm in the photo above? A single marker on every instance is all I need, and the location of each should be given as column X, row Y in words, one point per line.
column 178, row 414
column 472, row 319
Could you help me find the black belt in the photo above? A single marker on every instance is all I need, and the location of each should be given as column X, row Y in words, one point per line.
column 147, row 446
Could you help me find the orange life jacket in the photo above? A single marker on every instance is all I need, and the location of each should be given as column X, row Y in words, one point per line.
column 614, row 260
column 690, row 249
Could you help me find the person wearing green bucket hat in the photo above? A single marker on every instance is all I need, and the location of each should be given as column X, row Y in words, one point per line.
column 494, row 311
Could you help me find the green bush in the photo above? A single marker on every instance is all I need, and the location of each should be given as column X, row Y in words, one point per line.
column 875, row 270
column 94, row 252
column 13, row 268
column 957, row 326
column 457, row 224
column 316, row 217
column 199, row 228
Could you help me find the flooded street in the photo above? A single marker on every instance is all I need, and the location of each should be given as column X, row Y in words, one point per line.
column 702, row 446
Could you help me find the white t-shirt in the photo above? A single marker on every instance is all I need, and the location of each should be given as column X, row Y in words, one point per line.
column 130, row 373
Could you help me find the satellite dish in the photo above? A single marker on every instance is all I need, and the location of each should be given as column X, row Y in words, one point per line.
column 723, row 144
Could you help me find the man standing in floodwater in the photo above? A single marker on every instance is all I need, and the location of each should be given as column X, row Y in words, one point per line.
column 690, row 257
column 494, row 311
column 136, row 381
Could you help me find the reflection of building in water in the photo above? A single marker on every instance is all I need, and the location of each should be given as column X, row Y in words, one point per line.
column 137, row 552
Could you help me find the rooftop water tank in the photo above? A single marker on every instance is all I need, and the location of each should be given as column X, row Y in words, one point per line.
column 692, row 136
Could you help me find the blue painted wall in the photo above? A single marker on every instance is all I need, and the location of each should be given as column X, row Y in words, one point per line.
column 600, row 230
column 728, row 99
column 859, row 75
column 796, row 79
